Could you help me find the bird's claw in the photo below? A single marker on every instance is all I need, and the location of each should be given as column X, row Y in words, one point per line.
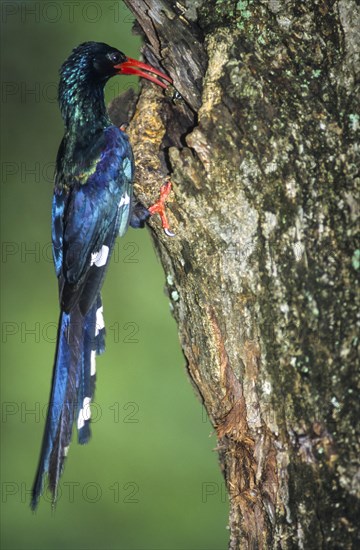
column 159, row 208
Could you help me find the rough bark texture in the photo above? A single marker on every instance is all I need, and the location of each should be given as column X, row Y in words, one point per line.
column 262, row 272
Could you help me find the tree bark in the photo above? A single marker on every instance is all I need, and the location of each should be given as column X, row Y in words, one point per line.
column 261, row 150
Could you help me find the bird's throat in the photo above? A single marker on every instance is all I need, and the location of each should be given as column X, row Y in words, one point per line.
column 84, row 112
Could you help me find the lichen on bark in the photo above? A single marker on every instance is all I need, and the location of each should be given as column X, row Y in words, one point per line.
column 262, row 273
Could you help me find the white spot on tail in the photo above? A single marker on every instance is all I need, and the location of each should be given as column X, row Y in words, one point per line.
column 100, row 258
column 84, row 413
column 93, row 363
column 125, row 199
column 66, row 450
column 80, row 420
column 86, row 408
column 100, row 324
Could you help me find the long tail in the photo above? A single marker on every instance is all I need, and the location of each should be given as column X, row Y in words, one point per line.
column 79, row 339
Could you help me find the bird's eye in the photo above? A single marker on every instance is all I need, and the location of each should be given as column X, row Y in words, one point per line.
column 115, row 57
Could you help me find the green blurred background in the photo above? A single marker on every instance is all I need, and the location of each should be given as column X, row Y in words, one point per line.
column 149, row 478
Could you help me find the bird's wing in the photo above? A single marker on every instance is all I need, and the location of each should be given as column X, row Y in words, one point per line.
column 88, row 217
column 60, row 197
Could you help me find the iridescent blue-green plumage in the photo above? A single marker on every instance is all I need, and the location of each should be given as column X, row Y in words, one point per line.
column 92, row 204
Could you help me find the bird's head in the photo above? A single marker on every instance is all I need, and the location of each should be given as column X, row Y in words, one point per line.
column 96, row 62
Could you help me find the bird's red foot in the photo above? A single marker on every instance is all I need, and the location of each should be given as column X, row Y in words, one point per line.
column 159, row 208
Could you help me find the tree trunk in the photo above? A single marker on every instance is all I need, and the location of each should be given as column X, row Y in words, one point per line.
column 262, row 272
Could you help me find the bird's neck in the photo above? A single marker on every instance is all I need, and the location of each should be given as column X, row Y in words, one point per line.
column 84, row 112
